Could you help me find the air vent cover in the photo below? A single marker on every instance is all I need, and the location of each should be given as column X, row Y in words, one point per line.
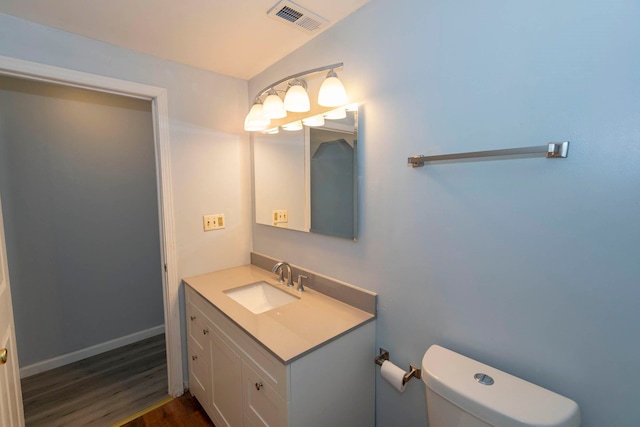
column 292, row 14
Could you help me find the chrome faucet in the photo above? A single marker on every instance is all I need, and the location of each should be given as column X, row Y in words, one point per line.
column 279, row 269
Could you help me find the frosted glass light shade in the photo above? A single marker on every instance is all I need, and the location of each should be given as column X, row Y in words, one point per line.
column 272, row 131
column 313, row 121
column 255, row 120
column 297, row 99
column 332, row 93
column 297, row 125
column 337, row 114
column 273, row 106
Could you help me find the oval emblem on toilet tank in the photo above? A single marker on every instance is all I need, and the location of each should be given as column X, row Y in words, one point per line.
column 483, row 379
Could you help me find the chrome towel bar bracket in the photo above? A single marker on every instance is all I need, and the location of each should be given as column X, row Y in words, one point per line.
column 553, row 150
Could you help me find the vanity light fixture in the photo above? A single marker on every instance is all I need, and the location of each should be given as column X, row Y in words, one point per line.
column 296, row 100
column 272, row 131
column 255, row 121
column 297, row 125
column 273, row 106
column 314, row 121
column 337, row 114
column 332, row 93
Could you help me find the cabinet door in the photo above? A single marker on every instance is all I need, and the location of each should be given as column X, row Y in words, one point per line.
column 226, row 390
column 263, row 405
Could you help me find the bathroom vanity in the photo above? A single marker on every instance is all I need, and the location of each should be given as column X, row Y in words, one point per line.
column 306, row 363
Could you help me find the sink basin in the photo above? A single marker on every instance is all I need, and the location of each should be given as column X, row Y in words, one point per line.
column 260, row 297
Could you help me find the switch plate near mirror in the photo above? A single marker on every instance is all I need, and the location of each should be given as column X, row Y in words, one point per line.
column 280, row 216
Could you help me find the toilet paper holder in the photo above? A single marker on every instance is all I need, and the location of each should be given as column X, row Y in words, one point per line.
column 413, row 371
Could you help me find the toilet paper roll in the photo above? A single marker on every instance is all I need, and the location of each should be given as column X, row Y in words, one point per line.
column 393, row 374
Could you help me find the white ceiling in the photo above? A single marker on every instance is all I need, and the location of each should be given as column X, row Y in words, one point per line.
column 232, row 37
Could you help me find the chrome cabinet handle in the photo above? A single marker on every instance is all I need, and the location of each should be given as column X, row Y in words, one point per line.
column 3, row 356
column 259, row 386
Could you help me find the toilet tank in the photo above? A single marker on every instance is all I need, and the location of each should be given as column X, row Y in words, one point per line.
column 464, row 392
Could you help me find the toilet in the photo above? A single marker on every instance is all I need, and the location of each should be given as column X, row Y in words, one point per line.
column 462, row 392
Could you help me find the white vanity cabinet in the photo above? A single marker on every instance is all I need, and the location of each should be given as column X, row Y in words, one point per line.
column 240, row 383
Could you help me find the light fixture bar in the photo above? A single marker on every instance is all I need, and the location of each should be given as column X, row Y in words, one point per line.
column 295, row 76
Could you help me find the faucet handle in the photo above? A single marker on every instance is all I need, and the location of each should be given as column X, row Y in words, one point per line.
column 300, row 287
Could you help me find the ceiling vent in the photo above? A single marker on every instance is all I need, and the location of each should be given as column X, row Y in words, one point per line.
column 292, row 14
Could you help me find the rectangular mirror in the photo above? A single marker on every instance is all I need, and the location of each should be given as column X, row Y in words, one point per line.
column 307, row 180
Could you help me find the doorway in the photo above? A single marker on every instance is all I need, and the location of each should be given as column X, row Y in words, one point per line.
column 158, row 99
column 78, row 185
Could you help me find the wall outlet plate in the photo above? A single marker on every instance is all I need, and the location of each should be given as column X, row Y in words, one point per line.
column 219, row 222
column 213, row 222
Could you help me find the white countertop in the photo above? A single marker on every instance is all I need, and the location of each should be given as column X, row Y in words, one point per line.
column 290, row 331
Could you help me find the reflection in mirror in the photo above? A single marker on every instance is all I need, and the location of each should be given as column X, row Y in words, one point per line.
column 307, row 180
column 279, row 179
column 333, row 191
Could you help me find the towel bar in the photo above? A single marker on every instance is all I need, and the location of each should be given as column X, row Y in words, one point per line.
column 553, row 150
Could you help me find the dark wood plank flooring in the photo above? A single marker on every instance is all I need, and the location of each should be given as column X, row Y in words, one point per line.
column 100, row 390
column 183, row 411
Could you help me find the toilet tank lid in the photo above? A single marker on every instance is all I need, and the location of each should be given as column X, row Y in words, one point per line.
column 509, row 401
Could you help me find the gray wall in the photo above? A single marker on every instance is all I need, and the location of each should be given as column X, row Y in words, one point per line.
column 530, row 265
column 81, row 216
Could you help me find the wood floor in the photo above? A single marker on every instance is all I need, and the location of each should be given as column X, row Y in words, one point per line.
column 98, row 391
column 184, row 411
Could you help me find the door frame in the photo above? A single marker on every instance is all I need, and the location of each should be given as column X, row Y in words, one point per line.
column 160, row 112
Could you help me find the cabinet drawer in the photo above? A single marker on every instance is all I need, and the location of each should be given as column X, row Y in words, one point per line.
column 198, row 325
column 198, row 301
column 199, row 374
column 263, row 405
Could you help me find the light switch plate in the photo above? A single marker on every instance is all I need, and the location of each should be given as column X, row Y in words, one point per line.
column 280, row 216
column 208, row 222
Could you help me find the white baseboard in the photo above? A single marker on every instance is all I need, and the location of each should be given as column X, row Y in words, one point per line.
column 65, row 359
